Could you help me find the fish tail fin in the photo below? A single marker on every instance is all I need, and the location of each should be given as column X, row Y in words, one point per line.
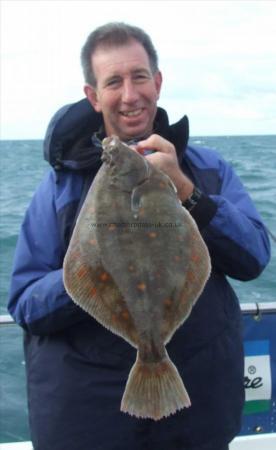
column 154, row 390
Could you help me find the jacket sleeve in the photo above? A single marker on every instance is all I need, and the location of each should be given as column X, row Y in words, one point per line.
column 38, row 300
column 235, row 235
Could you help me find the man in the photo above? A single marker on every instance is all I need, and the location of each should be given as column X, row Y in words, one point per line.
column 76, row 369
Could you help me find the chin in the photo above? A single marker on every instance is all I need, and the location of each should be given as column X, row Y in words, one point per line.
column 141, row 133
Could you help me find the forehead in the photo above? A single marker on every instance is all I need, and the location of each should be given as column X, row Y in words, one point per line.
column 117, row 59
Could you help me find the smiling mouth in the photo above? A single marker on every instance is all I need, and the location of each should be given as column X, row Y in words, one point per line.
column 133, row 113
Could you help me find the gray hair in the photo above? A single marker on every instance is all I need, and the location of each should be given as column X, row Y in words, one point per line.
column 110, row 35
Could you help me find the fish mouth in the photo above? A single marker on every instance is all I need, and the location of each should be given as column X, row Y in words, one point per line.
column 110, row 150
column 110, row 142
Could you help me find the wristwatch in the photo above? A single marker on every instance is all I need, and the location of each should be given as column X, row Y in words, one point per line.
column 194, row 198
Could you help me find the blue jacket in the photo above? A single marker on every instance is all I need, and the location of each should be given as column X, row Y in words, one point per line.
column 76, row 369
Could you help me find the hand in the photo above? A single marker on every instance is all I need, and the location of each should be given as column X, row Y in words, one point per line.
column 165, row 159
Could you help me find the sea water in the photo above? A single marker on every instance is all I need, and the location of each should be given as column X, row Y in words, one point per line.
column 21, row 169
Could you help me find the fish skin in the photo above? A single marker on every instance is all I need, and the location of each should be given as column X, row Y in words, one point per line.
column 136, row 276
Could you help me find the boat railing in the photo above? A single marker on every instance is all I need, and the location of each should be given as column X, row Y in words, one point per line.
column 253, row 308
column 6, row 319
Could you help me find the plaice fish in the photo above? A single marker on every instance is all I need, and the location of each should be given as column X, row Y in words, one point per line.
column 137, row 263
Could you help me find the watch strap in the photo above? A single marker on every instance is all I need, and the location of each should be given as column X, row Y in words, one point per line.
column 193, row 199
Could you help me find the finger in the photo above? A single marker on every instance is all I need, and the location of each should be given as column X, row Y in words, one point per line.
column 157, row 143
column 141, row 151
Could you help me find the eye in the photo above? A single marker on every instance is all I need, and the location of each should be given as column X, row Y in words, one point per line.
column 141, row 77
column 113, row 82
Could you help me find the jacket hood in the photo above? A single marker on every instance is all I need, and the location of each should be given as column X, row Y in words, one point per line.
column 68, row 142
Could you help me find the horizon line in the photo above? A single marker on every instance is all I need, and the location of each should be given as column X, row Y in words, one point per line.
column 190, row 137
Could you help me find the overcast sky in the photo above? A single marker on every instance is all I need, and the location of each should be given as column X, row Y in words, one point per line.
column 218, row 60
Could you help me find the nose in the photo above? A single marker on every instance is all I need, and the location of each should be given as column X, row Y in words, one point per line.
column 129, row 92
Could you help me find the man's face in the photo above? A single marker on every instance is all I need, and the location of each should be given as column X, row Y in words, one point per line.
column 126, row 91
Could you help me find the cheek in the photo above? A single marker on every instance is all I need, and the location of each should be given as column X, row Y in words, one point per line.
column 105, row 101
column 110, row 103
column 152, row 95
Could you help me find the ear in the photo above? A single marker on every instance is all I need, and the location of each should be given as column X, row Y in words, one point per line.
column 158, row 82
column 92, row 96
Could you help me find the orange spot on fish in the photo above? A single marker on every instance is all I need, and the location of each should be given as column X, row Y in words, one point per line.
column 185, row 298
column 195, row 258
column 93, row 242
column 82, row 272
column 112, row 227
column 190, row 276
column 141, row 286
column 93, row 291
column 152, row 234
column 75, row 255
column 125, row 315
column 104, row 276
column 167, row 301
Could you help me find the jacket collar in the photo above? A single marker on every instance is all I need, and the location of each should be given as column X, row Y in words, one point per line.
column 68, row 143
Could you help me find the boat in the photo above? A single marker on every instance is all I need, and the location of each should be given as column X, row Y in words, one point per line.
column 259, row 419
